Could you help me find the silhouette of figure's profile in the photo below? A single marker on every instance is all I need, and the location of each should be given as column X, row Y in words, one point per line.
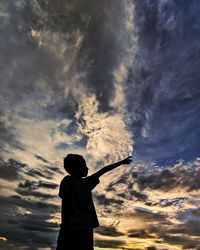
column 78, row 213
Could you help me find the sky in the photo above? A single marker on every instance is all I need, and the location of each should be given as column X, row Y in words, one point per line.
column 105, row 79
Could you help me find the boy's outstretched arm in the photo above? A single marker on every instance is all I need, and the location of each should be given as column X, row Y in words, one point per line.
column 113, row 166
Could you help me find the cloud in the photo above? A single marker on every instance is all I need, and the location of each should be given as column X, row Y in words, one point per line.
column 177, row 233
column 41, row 158
column 153, row 193
column 31, row 219
column 138, row 234
column 147, row 214
column 7, row 134
column 34, row 193
column 11, row 169
column 138, row 195
column 190, row 228
column 177, row 201
column 108, row 135
column 160, row 181
column 103, row 200
column 17, row 200
column 185, row 241
column 30, row 188
column 108, row 243
column 182, row 174
column 37, row 223
column 39, row 172
column 124, row 187
column 64, row 75
column 108, row 231
column 166, row 111
column 34, row 185
column 151, row 248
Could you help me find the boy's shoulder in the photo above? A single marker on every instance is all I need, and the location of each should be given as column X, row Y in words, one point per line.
column 92, row 181
column 65, row 186
column 65, row 180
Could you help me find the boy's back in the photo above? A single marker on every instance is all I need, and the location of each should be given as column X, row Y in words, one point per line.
column 78, row 211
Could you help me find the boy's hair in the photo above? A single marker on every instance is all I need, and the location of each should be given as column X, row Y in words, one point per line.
column 73, row 162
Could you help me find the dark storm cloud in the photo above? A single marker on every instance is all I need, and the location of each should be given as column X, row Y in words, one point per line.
column 164, row 83
column 182, row 234
column 33, row 228
column 108, row 231
column 24, row 66
column 103, row 45
column 151, row 248
column 39, row 157
column 34, row 193
column 24, row 238
column 185, row 175
column 108, row 243
column 30, row 188
column 7, row 135
column 185, row 241
column 147, row 215
column 10, row 169
column 178, row 201
column 30, row 71
column 102, row 25
column 55, row 169
column 41, row 172
column 49, row 185
column 190, row 228
column 138, row 195
column 37, row 184
column 41, row 60
column 27, row 73
column 103, row 200
column 130, row 193
column 121, row 180
column 132, row 233
column 16, row 200
column 196, row 212
column 31, row 220
column 37, row 223
column 164, row 180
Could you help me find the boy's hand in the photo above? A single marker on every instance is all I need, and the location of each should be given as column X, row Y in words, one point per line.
column 127, row 160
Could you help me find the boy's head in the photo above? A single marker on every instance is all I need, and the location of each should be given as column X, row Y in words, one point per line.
column 75, row 165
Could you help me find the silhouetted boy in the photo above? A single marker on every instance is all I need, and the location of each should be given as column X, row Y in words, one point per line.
column 78, row 211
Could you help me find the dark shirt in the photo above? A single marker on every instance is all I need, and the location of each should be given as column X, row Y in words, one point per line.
column 78, row 211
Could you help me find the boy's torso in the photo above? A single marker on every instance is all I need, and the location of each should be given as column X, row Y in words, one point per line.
column 78, row 211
